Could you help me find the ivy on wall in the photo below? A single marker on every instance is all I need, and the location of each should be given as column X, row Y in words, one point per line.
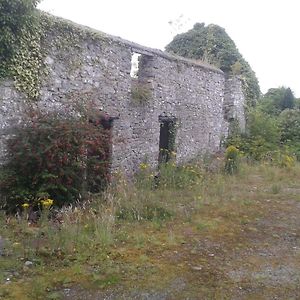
column 20, row 50
column 24, row 32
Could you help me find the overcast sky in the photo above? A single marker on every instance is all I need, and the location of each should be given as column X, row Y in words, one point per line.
column 265, row 31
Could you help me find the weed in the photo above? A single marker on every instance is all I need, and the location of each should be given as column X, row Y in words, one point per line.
column 275, row 189
column 231, row 160
column 141, row 93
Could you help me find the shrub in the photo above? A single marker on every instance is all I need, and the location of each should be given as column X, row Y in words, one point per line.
column 287, row 161
column 289, row 123
column 231, row 160
column 261, row 138
column 54, row 156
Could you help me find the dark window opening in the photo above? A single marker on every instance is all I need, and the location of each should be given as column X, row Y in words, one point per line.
column 167, row 139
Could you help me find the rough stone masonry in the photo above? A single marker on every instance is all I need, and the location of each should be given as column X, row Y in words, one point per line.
column 82, row 63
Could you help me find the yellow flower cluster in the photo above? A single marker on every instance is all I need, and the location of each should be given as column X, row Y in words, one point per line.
column 25, row 205
column 47, row 203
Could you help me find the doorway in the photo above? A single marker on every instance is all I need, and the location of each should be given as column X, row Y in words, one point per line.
column 166, row 138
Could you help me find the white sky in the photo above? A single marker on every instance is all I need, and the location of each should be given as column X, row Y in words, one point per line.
column 265, row 31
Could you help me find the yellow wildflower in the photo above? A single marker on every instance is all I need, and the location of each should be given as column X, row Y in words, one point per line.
column 25, row 205
column 47, row 203
column 143, row 166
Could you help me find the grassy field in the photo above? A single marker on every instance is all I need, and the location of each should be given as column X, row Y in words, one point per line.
column 197, row 234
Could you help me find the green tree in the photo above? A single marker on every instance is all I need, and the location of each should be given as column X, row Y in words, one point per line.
column 212, row 44
column 289, row 121
column 263, row 126
column 276, row 100
column 288, row 100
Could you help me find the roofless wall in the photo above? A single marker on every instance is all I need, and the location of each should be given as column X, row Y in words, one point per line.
column 140, row 89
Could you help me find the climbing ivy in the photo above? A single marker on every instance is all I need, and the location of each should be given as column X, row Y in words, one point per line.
column 20, row 48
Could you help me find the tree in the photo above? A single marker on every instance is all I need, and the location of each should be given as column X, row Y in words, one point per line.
column 288, row 100
column 276, row 100
column 212, row 44
column 289, row 121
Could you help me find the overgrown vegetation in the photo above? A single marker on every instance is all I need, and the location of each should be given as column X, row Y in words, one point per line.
column 130, row 236
column 231, row 160
column 212, row 44
column 272, row 131
column 50, row 155
column 20, row 48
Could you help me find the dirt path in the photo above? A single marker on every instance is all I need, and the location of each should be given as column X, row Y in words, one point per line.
column 258, row 257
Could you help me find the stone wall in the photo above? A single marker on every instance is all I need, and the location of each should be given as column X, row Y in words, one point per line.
column 89, row 68
column 234, row 102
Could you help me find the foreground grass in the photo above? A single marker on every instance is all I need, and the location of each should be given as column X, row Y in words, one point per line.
column 138, row 237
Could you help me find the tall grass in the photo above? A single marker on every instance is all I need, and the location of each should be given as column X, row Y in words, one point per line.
column 87, row 232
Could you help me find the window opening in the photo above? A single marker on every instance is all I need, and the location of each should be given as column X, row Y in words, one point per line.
column 135, row 60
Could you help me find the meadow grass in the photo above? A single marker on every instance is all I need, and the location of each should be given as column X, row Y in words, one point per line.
column 125, row 233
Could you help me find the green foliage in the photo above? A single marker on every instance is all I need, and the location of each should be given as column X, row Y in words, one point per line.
column 212, row 44
column 263, row 126
column 147, row 212
column 276, row 100
column 261, row 138
column 178, row 177
column 231, row 160
column 20, row 52
column 273, row 130
column 280, row 117
column 15, row 15
column 288, row 100
column 289, row 122
column 54, row 156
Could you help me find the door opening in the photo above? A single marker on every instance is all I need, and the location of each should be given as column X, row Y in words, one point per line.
column 166, row 138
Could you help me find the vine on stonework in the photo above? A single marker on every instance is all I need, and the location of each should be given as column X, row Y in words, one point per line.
column 20, row 48
column 27, row 62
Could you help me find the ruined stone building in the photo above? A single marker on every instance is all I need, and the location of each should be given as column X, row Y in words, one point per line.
column 169, row 104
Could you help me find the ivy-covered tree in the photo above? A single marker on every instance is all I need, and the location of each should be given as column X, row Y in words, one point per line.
column 212, row 44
